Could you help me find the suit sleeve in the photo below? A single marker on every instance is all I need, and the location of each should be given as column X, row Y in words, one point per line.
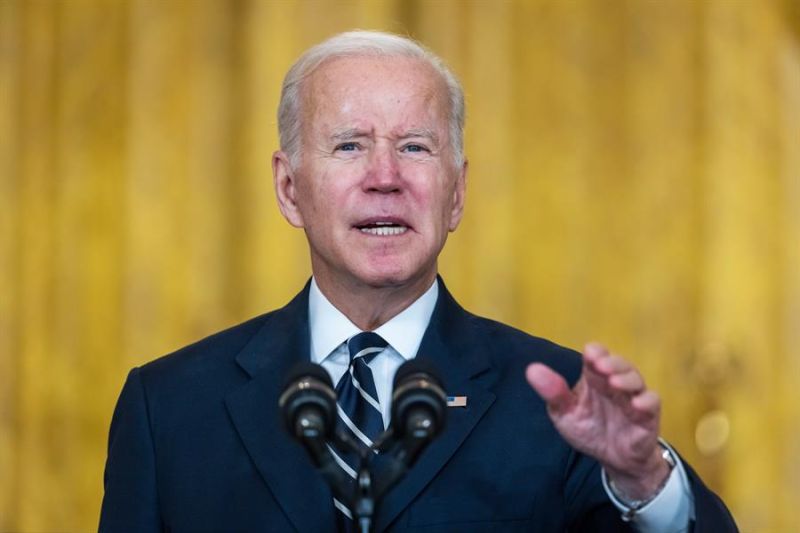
column 711, row 514
column 130, row 502
column 592, row 510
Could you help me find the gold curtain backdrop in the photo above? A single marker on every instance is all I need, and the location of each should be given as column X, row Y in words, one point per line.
column 634, row 178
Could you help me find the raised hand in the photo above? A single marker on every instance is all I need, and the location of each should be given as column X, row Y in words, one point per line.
column 610, row 415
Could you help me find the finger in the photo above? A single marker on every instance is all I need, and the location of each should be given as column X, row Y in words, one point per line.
column 647, row 402
column 599, row 360
column 599, row 365
column 550, row 386
column 594, row 351
column 630, row 381
column 612, row 364
column 611, row 375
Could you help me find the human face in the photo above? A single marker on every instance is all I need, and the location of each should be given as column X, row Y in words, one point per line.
column 376, row 188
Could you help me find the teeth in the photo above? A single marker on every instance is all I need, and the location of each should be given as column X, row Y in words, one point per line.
column 385, row 230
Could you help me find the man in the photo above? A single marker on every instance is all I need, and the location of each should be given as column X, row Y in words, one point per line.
column 371, row 167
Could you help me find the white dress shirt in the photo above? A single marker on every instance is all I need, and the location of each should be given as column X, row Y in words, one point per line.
column 668, row 512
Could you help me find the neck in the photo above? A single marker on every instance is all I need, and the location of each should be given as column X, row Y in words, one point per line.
column 369, row 307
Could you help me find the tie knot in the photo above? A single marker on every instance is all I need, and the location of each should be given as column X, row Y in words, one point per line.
column 366, row 344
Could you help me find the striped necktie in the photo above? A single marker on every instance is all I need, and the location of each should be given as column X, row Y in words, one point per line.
column 357, row 404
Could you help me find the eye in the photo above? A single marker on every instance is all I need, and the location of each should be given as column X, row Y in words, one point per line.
column 415, row 148
column 347, row 147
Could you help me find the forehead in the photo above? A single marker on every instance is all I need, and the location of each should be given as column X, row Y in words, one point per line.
column 385, row 91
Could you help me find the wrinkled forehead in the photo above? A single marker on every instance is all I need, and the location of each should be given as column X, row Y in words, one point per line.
column 353, row 87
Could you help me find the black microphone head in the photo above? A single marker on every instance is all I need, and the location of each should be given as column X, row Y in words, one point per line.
column 417, row 397
column 308, row 401
column 307, row 369
column 416, row 366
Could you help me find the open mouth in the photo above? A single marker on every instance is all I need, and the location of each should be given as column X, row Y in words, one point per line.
column 382, row 229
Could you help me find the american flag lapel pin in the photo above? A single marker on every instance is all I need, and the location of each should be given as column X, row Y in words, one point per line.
column 456, row 401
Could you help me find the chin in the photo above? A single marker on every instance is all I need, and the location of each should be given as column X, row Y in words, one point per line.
column 394, row 275
column 384, row 279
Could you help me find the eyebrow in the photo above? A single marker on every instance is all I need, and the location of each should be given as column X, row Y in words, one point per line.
column 421, row 132
column 354, row 133
column 347, row 134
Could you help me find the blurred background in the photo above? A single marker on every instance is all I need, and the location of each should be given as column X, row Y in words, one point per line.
column 634, row 178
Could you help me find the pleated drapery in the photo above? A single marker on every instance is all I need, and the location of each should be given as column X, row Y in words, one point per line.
column 634, row 178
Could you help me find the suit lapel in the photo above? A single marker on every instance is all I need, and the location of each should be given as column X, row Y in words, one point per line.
column 462, row 359
column 287, row 470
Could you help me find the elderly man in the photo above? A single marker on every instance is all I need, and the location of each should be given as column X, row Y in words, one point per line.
column 371, row 167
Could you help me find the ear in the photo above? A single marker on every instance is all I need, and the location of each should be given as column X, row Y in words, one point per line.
column 284, row 179
column 459, row 196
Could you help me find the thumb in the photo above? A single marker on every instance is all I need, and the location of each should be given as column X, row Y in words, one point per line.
column 551, row 387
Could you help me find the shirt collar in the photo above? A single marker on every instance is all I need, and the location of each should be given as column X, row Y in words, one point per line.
column 330, row 328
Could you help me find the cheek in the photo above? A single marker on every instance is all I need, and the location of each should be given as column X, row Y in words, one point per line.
column 314, row 193
column 311, row 203
column 426, row 183
column 437, row 200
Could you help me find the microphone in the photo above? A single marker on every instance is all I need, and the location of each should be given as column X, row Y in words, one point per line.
column 419, row 404
column 308, row 402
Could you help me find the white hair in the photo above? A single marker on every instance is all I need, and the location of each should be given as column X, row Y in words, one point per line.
column 362, row 43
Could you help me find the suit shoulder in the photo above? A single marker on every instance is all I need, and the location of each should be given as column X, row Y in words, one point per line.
column 208, row 354
column 509, row 343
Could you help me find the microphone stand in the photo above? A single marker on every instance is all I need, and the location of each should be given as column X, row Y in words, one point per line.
column 405, row 452
column 397, row 465
column 363, row 502
column 314, row 443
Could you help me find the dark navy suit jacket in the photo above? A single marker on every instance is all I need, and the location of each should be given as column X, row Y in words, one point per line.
column 197, row 442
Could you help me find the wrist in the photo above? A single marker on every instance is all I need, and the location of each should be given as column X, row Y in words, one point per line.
column 646, row 481
column 632, row 493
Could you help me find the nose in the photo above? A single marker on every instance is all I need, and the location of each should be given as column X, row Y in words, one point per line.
column 383, row 173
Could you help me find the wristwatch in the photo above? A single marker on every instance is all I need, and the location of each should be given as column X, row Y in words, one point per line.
column 631, row 507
